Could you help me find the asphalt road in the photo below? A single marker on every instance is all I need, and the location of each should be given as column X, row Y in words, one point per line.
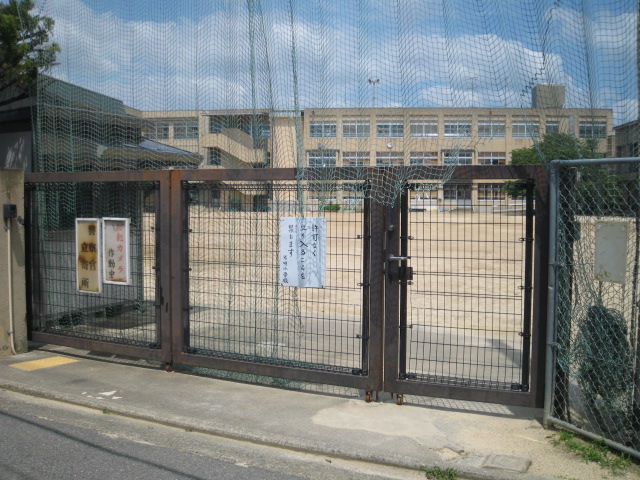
column 42, row 439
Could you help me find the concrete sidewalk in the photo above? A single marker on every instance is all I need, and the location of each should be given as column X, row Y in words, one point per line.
column 479, row 440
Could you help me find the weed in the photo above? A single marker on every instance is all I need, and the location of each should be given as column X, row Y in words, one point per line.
column 105, row 411
column 437, row 473
column 596, row 451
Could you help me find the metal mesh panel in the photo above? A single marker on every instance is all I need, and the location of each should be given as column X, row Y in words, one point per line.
column 239, row 310
column 595, row 373
column 121, row 313
column 465, row 308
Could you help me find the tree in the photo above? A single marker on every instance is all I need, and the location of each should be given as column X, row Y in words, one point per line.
column 554, row 146
column 25, row 49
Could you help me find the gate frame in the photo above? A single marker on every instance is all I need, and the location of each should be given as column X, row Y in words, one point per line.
column 163, row 246
column 534, row 397
column 383, row 306
column 370, row 381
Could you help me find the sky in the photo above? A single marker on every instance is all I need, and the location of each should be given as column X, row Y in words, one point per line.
column 286, row 54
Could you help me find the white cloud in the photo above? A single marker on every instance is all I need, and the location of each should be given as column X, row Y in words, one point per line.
column 207, row 61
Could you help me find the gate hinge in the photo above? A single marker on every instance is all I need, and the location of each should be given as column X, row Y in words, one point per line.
column 525, row 335
column 408, row 376
column 405, row 326
column 519, row 387
column 526, row 239
column 360, row 237
column 403, row 237
column 361, row 284
column 361, row 337
column 358, row 371
column 528, row 289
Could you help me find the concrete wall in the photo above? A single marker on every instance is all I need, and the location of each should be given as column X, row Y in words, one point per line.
column 12, row 265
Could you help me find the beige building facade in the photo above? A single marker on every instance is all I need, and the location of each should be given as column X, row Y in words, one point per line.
column 378, row 137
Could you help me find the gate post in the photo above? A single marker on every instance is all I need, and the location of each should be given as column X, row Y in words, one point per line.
column 376, row 296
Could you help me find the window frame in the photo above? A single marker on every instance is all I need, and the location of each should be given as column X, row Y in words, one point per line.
column 491, row 192
column 427, row 158
column 323, row 129
column 353, row 159
column 191, row 130
column 153, row 134
column 328, row 154
column 468, row 154
column 423, row 130
column 390, row 129
column 362, row 128
column 391, row 156
column 527, row 133
column 494, row 158
column 462, row 129
column 592, row 125
column 501, row 125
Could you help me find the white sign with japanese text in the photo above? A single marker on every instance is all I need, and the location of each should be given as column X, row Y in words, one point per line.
column 303, row 252
column 88, row 255
column 115, row 251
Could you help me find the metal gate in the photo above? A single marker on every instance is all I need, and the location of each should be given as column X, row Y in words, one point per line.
column 410, row 305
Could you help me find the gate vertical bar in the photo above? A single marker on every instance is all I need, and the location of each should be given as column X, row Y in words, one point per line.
column 391, row 302
column 178, row 277
column 366, row 281
column 527, row 287
column 540, row 292
column 404, row 247
column 162, row 266
column 376, row 297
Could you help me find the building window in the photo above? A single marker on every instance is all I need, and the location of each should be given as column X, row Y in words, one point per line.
column 593, row 130
column 525, row 129
column 457, row 191
column 457, row 129
column 424, row 129
column 214, row 156
column 355, row 159
column 354, row 129
column 322, row 129
column 458, row 157
column 552, row 127
column 490, row 191
column 185, row 130
column 217, row 124
column 424, row 191
column 423, row 158
column 390, row 129
column 322, row 158
column 492, row 129
column 492, row 158
column 390, row 159
column 159, row 131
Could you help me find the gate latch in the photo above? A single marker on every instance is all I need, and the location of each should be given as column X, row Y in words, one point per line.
column 406, row 275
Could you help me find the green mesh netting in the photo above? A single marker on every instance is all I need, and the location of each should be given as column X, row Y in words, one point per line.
column 424, row 83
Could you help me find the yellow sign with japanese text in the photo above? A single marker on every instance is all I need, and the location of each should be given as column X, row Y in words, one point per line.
column 88, row 255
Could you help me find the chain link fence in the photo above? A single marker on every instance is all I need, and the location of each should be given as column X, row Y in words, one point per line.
column 593, row 377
